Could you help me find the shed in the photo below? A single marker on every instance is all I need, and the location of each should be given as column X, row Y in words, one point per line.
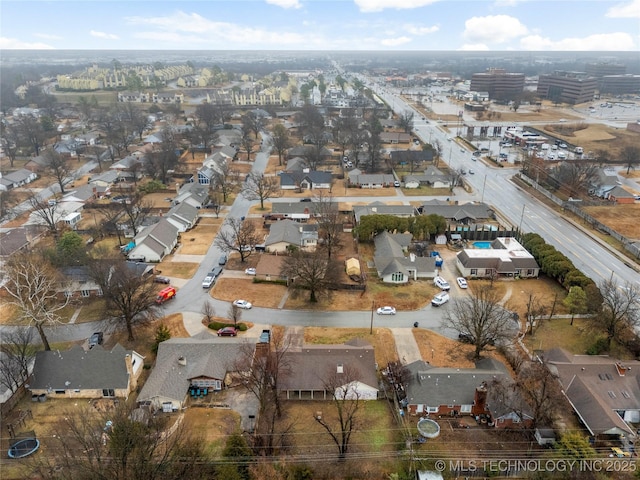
column 545, row 436
column 352, row 266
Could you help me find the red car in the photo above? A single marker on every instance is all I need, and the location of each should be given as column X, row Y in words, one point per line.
column 227, row 332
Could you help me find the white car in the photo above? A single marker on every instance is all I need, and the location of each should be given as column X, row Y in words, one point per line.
column 386, row 311
column 440, row 299
column 242, row 304
column 208, row 280
column 462, row 282
column 250, row 271
column 441, row 283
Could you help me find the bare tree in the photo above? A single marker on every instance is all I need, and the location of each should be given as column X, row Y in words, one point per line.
column 280, row 141
column 310, row 271
column 17, row 353
column 111, row 214
column 253, row 122
column 30, row 132
column 535, row 310
column 117, row 444
column 329, row 223
column 46, row 211
column 33, row 285
column 620, row 309
column 225, row 180
column 130, row 296
column 247, row 142
column 135, row 208
column 163, row 159
column 346, row 402
column 208, row 311
column 480, row 318
column 405, row 121
column 234, row 314
column 58, row 167
column 455, row 178
column 10, row 138
column 630, row 156
column 576, row 176
column 259, row 187
column 239, row 236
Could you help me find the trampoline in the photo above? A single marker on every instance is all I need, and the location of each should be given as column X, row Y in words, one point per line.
column 24, row 447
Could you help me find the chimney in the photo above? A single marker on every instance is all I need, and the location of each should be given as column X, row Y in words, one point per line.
column 480, row 400
column 621, row 369
column 182, row 361
column 133, row 381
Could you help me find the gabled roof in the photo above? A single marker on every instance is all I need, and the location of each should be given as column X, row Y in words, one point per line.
column 314, row 177
column 109, row 176
column 412, row 156
column 506, row 256
column 371, row 178
column 77, row 368
column 619, row 192
column 474, row 211
column 389, row 255
column 162, row 232
column 183, row 211
column 310, row 367
column 18, row 176
column 379, row 208
column 290, row 232
column 296, row 164
column 204, row 355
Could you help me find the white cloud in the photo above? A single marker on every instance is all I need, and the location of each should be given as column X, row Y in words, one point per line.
column 625, row 10
column 394, row 42
column 107, row 36
column 474, row 46
column 47, row 36
column 493, row 29
column 600, row 42
column 190, row 28
column 285, row 3
column 506, row 3
column 415, row 30
column 15, row 44
column 379, row 5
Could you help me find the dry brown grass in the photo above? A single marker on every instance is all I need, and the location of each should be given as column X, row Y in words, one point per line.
column 177, row 269
column 198, row 240
column 622, row 218
column 382, row 340
column 160, row 200
column 259, row 294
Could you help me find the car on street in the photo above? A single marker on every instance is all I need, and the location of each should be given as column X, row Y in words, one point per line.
column 386, row 311
column 208, row 280
column 471, row 172
column 216, row 271
column 250, row 271
column 96, row 339
column 245, row 305
column 305, row 199
column 440, row 299
column 441, row 283
column 227, row 332
column 160, row 279
column 465, row 338
column 222, row 260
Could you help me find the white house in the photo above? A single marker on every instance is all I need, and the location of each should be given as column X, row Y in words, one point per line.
column 154, row 242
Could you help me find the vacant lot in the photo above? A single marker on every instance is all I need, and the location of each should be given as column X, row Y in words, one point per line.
column 622, row 218
column 260, row 294
column 198, row 240
column 176, row 269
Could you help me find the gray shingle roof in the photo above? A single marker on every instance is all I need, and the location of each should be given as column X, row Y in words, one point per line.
column 76, row 368
column 290, row 232
column 205, row 356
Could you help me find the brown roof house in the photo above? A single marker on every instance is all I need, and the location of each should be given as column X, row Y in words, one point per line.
column 603, row 391
column 311, row 366
column 80, row 373
column 506, row 257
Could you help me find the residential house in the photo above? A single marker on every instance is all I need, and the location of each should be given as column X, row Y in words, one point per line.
column 269, row 268
column 604, row 392
column 463, row 391
column 466, row 214
column 78, row 283
column 183, row 216
column 603, row 182
column 312, row 366
column 370, row 180
column 16, row 179
column 379, row 208
column 228, row 137
column 393, row 266
column 506, row 257
column 411, row 157
column 431, row 177
column 37, row 164
column 202, row 361
column 286, row 234
column 16, row 239
column 168, row 97
column 192, row 193
column 105, row 179
column 63, row 211
column 299, row 211
column 134, row 97
column 305, row 151
column 66, row 148
column 154, row 242
column 296, row 164
column 395, row 137
column 206, row 175
column 619, row 195
column 312, row 180
column 78, row 373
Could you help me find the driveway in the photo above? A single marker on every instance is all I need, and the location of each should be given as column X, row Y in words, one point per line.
column 406, row 345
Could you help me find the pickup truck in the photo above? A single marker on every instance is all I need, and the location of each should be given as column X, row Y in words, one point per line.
column 265, row 336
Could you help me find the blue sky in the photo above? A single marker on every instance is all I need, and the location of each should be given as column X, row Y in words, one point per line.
column 494, row 25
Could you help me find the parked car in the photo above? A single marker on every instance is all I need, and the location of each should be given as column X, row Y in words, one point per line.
column 166, row 294
column 386, row 311
column 96, row 339
column 462, row 282
column 440, row 299
column 160, row 279
column 305, row 199
column 216, row 272
column 227, row 332
column 222, row 260
column 265, row 336
column 250, row 271
column 465, row 338
column 471, row 172
column 243, row 304
column 441, row 283
column 396, row 183
column 208, row 280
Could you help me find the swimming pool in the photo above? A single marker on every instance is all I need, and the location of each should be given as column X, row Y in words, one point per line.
column 485, row 245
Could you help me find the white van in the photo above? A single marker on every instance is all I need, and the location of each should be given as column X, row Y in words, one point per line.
column 544, row 146
column 579, row 150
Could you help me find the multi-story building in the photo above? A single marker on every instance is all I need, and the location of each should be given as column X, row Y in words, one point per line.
column 603, row 68
column 567, row 87
column 498, row 83
column 617, row 84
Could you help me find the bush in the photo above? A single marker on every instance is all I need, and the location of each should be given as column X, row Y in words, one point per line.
column 218, row 325
column 600, row 345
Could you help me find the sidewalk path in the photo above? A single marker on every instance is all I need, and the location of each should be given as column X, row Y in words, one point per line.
column 406, row 345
